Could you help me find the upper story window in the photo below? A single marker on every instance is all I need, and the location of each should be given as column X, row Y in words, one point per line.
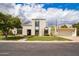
column 37, row 23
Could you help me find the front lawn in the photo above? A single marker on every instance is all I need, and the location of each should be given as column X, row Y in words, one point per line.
column 11, row 37
column 46, row 38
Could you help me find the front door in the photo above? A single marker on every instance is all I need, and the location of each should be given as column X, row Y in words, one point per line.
column 46, row 32
column 29, row 32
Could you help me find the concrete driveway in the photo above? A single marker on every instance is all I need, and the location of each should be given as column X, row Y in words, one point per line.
column 73, row 38
column 39, row 49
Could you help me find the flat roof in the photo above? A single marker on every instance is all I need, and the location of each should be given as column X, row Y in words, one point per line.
column 38, row 19
column 29, row 24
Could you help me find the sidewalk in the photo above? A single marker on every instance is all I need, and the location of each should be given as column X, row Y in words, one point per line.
column 38, row 41
column 22, row 40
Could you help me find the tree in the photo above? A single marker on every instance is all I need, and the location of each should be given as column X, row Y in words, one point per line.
column 76, row 26
column 64, row 26
column 8, row 22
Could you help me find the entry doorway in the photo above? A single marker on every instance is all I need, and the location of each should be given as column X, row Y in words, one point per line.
column 36, row 32
column 46, row 32
column 29, row 32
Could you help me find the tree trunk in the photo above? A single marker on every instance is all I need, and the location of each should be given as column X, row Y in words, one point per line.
column 6, row 35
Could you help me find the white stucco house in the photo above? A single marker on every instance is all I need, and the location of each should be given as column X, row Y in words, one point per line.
column 36, row 27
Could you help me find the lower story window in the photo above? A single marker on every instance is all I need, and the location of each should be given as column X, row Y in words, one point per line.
column 36, row 32
column 19, row 31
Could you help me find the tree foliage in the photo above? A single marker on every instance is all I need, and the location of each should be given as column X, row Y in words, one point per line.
column 76, row 26
column 8, row 22
column 64, row 26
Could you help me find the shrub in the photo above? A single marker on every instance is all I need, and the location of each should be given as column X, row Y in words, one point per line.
column 77, row 32
column 15, row 37
column 64, row 26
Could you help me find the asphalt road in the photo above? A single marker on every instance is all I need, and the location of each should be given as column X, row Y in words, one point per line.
column 39, row 49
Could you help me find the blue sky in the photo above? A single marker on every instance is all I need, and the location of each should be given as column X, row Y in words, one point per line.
column 74, row 6
column 70, row 6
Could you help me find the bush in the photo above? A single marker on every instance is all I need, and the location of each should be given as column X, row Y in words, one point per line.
column 0, row 33
column 77, row 32
column 10, row 32
column 15, row 37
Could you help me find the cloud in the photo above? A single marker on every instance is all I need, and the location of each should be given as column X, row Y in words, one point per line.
column 6, row 7
column 29, row 11
column 62, row 16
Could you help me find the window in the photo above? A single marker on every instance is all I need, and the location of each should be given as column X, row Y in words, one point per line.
column 19, row 31
column 36, row 27
column 37, row 23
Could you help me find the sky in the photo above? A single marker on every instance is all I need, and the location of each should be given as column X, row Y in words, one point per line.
column 63, row 13
column 74, row 6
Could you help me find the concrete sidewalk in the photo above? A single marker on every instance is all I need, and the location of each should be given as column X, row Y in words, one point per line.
column 73, row 38
column 38, row 41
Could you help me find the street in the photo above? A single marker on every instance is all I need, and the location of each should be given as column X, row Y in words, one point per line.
column 39, row 49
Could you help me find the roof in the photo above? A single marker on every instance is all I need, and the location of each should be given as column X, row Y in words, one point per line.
column 38, row 19
column 28, row 24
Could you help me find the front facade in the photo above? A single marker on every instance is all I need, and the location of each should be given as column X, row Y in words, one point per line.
column 37, row 27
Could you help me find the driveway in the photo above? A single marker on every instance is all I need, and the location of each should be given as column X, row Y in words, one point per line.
column 38, row 49
column 73, row 38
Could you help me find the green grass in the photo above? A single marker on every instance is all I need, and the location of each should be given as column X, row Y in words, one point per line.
column 35, row 38
column 11, row 37
column 46, row 38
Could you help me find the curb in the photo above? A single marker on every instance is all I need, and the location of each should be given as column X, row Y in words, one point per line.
column 39, row 41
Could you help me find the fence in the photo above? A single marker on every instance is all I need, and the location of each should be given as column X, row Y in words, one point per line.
column 65, row 31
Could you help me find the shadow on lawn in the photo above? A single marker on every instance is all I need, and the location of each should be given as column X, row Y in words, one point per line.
column 12, row 37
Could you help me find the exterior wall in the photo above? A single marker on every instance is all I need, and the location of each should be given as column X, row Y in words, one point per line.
column 42, row 27
column 49, row 31
column 33, row 27
column 75, row 32
column 25, row 28
column 65, row 31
